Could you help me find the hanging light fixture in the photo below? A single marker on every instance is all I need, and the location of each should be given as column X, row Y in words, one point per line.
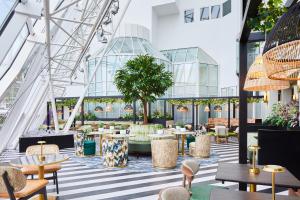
column 281, row 53
column 128, row 108
column 181, row 108
column 107, row 20
column 218, row 108
column 108, row 108
column 206, row 109
column 98, row 109
column 257, row 80
column 295, row 96
column 115, row 8
column 266, row 97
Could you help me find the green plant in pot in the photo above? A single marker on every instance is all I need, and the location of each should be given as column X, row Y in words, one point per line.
column 101, row 126
column 283, row 115
column 159, row 128
column 144, row 80
column 179, row 125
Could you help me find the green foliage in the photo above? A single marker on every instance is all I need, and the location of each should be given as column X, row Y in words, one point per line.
column 283, row 115
column 181, row 124
column 213, row 101
column 159, row 126
column 101, row 124
column 103, row 100
column 90, row 117
column 268, row 14
column 143, row 79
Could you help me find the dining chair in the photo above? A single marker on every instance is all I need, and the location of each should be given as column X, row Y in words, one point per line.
column 189, row 169
column 221, row 132
column 49, row 169
column 15, row 186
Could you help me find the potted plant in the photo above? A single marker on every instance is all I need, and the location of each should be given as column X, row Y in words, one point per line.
column 179, row 125
column 159, row 129
column 101, row 127
column 112, row 126
column 142, row 79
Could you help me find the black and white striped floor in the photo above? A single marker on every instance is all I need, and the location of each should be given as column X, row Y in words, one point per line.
column 80, row 182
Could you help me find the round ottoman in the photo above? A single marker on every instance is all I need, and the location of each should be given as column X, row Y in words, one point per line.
column 164, row 153
column 115, row 152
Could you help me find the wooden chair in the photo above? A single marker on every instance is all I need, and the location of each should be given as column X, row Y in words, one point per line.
column 13, row 185
column 49, row 169
column 221, row 133
column 189, row 169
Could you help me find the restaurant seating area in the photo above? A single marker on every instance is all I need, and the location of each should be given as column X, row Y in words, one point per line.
column 147, row 100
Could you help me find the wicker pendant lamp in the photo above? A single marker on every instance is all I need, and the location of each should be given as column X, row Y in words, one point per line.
column 281, row 55
column 257, row 80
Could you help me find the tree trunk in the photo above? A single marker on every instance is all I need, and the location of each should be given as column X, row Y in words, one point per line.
column 145, row 112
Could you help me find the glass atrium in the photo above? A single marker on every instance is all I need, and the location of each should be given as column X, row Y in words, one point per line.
column 139, row 99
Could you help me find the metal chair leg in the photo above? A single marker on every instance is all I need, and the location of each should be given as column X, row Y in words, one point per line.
column 45, row 193
column 56, row 183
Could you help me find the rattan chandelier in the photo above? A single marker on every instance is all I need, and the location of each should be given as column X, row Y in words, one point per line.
column 281, row 55
column 257, row 80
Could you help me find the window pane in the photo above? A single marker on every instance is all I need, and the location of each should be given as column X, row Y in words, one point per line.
column 204, row 13
column 14, row 50
column 226, row 8
column 189, row 16
column 5, row 8
column 215, row 12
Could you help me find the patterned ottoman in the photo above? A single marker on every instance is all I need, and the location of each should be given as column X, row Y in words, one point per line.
column 115, row 151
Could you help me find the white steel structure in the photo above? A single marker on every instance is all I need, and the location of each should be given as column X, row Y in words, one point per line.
column 60, row 33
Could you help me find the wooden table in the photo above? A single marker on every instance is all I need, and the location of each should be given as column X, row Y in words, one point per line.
column 50, row 159
column 240, row 173
column 223, row 194
column 183, row 136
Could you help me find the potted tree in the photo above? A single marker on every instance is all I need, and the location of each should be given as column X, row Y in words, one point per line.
column 144, row 80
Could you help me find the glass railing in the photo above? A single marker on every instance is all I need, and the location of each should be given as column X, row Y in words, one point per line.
column 6, row 8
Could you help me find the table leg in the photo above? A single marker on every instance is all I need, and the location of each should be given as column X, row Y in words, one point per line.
column 101, row 153
column 252, row 187
column 42, row 176
column 182, row 144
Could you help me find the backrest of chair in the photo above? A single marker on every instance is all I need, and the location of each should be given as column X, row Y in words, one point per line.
column 221, row 130
column 47, row 149
column 190, row 167
column 15, row 177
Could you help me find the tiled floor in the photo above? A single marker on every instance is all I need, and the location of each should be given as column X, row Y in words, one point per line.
column 86, row 179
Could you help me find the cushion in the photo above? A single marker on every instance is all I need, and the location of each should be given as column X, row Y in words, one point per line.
column 32, row 186
column 202, row 191
column 27, row 170
column 175, row 193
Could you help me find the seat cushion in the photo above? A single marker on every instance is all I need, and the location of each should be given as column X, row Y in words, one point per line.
column 31, row 187
column 27, row 170
column 174, row 193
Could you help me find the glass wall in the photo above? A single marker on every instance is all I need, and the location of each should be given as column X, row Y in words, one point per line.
column 121, row 50
column 195, row 73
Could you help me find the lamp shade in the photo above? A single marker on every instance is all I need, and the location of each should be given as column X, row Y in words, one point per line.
column 98, row 109
column 181, row 108
column 108, row 108
column 282, row 48
column 206, row 109
column 128, row 108
column 257, row 80
column 218, row 108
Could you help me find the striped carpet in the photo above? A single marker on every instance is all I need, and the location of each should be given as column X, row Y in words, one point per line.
column 78, row 181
